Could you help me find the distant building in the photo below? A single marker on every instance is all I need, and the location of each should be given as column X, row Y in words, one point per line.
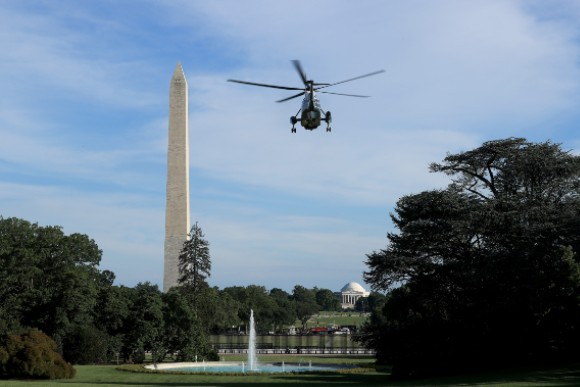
column 350, row 293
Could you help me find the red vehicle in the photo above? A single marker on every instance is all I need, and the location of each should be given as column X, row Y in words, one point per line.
column 319, row 331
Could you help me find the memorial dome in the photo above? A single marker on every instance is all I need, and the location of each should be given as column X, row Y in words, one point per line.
column 353, row 287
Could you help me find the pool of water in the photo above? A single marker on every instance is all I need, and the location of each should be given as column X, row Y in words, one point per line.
column 265, row 368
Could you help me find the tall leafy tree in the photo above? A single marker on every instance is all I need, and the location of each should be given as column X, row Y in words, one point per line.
column 112, row 314
column 374, row 301
column 221, row 311
column 327, row 300
column 263, row 305
column 305, row 302
column 18, row 266
column 195, row 265
column 285, row 312
column 485, row 271
column 145, row 324
column 182, row 334
column 48, row 280
column 240, row 295
column 256, row 298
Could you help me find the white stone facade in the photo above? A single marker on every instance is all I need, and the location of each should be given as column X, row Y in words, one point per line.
column 177, row 223
column 350, row 293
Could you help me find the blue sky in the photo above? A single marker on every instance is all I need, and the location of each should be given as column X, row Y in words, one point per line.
column 84, row 101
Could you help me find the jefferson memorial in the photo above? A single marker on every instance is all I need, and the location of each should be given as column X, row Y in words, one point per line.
column 350, row 293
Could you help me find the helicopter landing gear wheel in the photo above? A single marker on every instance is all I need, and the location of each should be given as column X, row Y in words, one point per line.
column 293, row 121
column 328, row 119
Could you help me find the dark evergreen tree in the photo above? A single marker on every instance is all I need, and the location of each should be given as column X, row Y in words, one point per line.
column 195, row 266
column 485, row 271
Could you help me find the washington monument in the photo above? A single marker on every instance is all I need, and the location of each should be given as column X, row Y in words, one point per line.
column 177, row 205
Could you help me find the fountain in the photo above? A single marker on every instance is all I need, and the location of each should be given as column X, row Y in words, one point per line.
column 250, row 366
column 242, row 367
column 252, row 359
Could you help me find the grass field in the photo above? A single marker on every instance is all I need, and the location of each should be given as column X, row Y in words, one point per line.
column 325, row 319
column 109, row 376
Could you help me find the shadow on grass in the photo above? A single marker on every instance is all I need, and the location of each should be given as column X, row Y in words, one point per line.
column 261, row 381
column 547, row 377
column 565, row 377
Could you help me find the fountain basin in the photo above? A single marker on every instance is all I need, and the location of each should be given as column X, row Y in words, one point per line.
column 240, row 367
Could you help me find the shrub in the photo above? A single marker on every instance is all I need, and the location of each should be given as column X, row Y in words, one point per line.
column 32, row 354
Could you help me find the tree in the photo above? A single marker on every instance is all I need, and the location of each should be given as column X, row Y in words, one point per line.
column 362, row 305
column 194, row 265
column 305, row 301
column 263, row 305
column 226, row 313
column 182, row 334
column 253, row 297
column 145, row 324
column 86, row 344
column 48, row 280
column 373, row 302
column 285, row 312
column 327, row 300
column 18, row 265
column 111, row 315
column 485, row 271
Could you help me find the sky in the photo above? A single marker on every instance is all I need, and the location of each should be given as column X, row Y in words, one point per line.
column 84, row 99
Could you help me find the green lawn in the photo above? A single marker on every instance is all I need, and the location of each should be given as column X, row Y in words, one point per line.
column 325, row 319
column 103, row 376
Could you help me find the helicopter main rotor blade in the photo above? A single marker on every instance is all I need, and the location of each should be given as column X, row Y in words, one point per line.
column 292, row 97
column 300, row 70
column 346, row 95
column 266, row 85
column 354, row 79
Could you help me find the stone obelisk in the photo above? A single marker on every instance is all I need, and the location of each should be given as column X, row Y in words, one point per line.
column 177, row 205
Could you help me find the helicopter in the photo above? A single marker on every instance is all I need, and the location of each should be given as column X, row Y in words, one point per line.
column 312, row 113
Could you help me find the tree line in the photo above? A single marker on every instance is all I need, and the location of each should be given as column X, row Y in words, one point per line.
column 51, row 282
